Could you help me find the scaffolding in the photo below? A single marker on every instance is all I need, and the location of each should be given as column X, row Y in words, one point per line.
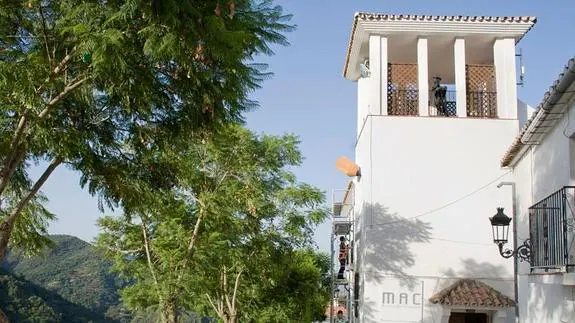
column 342, row 244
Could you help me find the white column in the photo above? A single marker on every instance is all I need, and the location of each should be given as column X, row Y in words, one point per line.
column 445, row 315
column 505, row 78
column 460, row 83
column 375, row 75
column 383, row 62
column 423, row 77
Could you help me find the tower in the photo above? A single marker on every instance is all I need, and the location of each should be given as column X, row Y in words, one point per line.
column 437, row 107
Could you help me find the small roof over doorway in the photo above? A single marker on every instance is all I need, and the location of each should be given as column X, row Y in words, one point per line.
column 471, row 293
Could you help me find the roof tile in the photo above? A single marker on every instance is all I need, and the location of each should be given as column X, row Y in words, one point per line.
column 368, row 16
column 516, row 146
column 470, row 292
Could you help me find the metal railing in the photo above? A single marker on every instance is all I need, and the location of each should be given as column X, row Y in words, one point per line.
column 403, row 102
column 481, row 104
column 551, row 226
column 443, row 107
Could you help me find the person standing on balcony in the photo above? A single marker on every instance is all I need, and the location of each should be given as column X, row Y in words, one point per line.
column 439, row 93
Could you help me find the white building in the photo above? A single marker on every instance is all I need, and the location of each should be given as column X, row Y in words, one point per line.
column 419, row 209
column 542, row 158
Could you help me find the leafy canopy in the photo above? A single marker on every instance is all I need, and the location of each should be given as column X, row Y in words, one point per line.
column 235, row 213
column 103, row 85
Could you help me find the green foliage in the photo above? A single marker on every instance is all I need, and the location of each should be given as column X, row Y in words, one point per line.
column 74, row 271
column 237, row 211
column 103, row 85
column 23, row 301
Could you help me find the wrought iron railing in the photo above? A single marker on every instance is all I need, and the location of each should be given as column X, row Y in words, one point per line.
column 443, row 107
column 481, row 104
column 551, row 224
column 403, row 102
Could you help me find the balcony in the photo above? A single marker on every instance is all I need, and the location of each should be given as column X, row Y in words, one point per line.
column 403, row 102
column 481, row 91
column 551, row 226
column 482, row 104
column 403, row 92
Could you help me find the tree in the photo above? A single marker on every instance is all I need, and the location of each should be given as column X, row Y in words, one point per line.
column 300, row 290
column 205, row 244
column 284, row 285
column 97, row 85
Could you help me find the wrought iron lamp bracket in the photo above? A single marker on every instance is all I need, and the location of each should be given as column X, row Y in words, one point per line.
column 570, row 224
column 523, row 252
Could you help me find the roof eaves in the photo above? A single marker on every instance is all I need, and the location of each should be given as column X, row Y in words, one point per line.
column 401, row 17
column 510, row 157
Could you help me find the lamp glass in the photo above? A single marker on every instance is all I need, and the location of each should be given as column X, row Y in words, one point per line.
column 500, row 227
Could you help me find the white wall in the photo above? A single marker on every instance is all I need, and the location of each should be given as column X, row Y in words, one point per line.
column 361, row 188
column 542, row 170
column 413, row 165
column 524, row 112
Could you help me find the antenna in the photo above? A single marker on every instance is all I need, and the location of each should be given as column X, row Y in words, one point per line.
column 521, row 68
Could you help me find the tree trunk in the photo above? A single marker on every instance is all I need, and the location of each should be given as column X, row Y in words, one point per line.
column 169, row 313
column 5, row 233
column 7, row 223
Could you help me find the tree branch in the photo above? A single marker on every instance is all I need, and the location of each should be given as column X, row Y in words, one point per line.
column 191, row 244
column 214, row 306
column 225, row 289
column 35, row 188
column 63, row 62
column 41, row 12
column 69, row 88
column 10, row 164
column 236, row 285
column 58, row 69
column 148, row 255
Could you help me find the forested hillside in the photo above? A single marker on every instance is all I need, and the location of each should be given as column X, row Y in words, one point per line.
column 71, row 279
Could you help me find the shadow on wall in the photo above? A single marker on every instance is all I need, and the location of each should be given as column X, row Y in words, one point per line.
column 471, row 268
column 551, row 163
column 545, row 303
column 387, row 243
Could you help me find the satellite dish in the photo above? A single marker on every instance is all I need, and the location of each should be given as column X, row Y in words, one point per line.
column 346, row 166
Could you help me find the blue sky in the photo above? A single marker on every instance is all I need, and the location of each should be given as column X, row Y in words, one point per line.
column 309, row 97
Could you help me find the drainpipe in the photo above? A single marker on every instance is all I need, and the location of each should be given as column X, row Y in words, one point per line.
column 515, row 258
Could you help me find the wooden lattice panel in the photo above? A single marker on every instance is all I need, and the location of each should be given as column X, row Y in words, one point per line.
column 401, row 75
column 481, row 78
column 402, row 89
column 481, row 91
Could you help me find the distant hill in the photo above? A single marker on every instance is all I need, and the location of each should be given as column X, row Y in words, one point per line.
column 23, row 301
column 72, row 270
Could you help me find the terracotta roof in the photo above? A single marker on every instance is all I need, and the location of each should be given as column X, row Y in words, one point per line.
column 541, row 113
column 368, row 16
column 470, row 292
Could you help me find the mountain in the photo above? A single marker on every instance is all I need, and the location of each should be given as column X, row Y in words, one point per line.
column 23, row 301
column 72, row 270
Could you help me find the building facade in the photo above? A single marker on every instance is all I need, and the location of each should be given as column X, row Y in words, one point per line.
column 437, row 108
column 542, row 160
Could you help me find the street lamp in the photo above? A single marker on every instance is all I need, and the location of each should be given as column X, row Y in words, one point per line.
column 500, row 226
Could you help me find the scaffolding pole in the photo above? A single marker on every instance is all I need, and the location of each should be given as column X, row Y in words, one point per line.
column 342, row 226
